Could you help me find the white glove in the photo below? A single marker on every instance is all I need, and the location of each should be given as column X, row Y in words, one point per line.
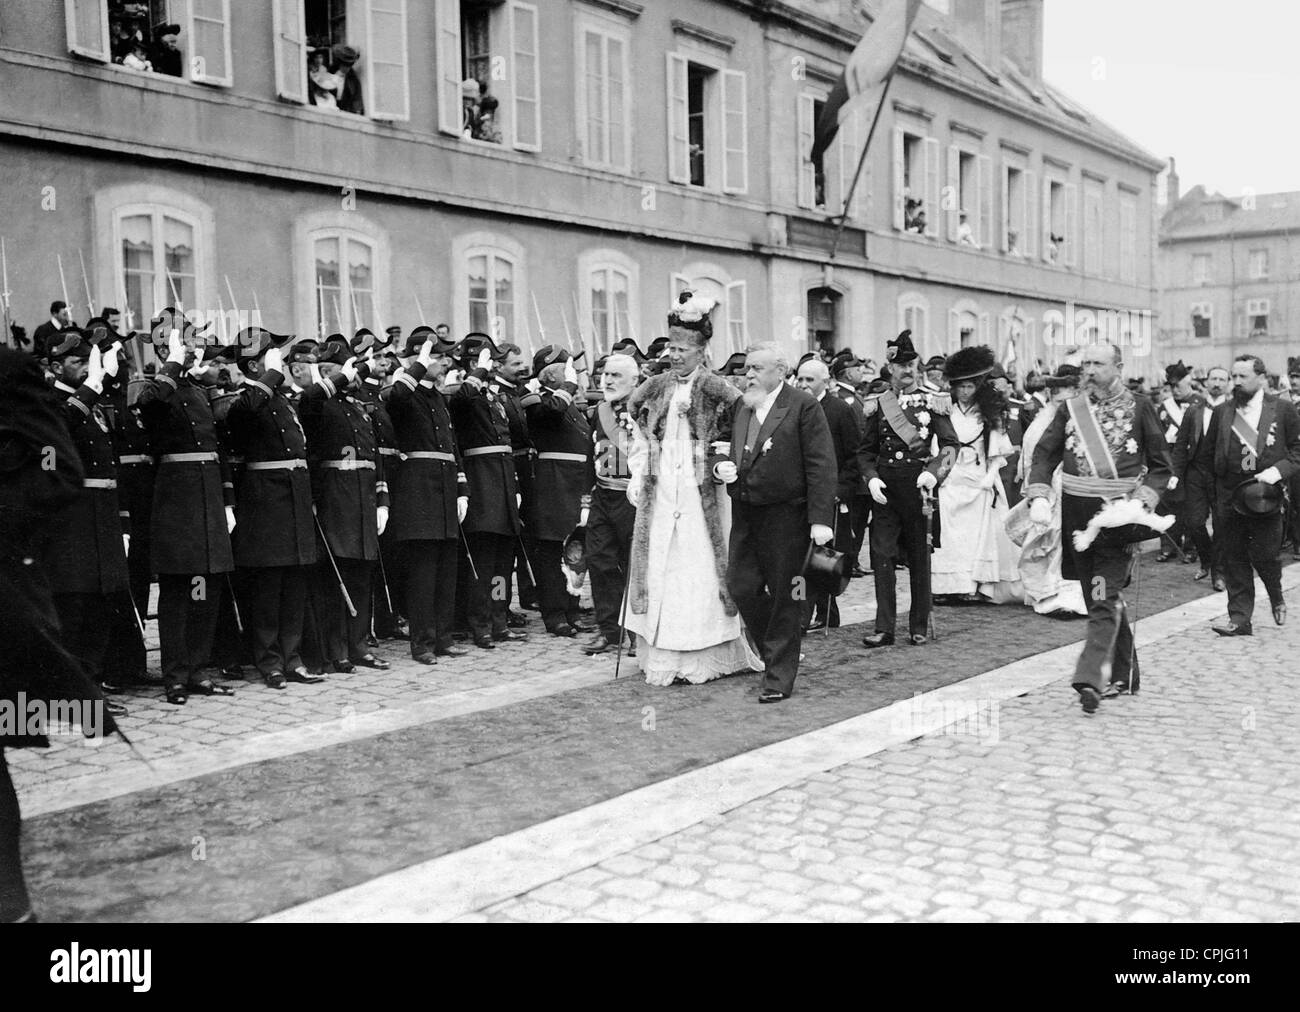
column 844, row 507
column 313, row 372
column 425, row 358
column 722, row 446
column 570, row 373
column 462, row 508
column 274, row 360
column 519, row 501
column 634, row 492
column 1270, row 477
column 926, row 480
column 110, row 361
column 725, row 471
column 1172, row 484
column 582, row 517
column 126, row 544
column 175, row 349
column 821, row 534
column 485, row 359
column 381, row 518
column 452, row 378
column 1040, row 512
column 350, row 369
column 95, row 371
column 230, row 520
column 197, row 366
column 877, row 489
column 533, row 386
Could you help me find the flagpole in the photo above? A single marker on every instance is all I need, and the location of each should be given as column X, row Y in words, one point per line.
column 862, row 161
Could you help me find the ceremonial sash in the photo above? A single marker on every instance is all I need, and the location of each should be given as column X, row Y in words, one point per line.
column 1176, row 415
column 898, row 421
column 618, row 437
column 1244, row 431
column 1094, row 443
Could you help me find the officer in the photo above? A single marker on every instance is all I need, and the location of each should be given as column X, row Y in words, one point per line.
column 847, row 372
column 509, row 381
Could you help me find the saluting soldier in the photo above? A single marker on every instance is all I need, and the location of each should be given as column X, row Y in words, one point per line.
column 508, row 382
column 492, row 526
column 351, row 503
column 562, row 480
column 193, row 512
column 430, row 495
column 899, row 462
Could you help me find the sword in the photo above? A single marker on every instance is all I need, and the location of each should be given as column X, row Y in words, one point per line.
column 622, row 632
column 468, row 554
column 527, row 563
column 234, row 605
column 63, row 282
column 135, row 609
column 927, row 511
column 541, row 329
column 347, row 599
column 86, row 281
column 383, row 578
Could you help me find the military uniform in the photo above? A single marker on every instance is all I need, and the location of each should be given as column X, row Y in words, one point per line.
column 390, row 575
column 858, row 517
column 612, row 519
column 516, row 401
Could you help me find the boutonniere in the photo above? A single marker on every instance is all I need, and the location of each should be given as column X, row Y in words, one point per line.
column 767, row 446
column 923, row 417
column 923, row 432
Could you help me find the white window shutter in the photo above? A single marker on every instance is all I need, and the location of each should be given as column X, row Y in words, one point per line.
column 525, row 76
column 953, row 194
column 386, row 35
column 806, row 189
column 290, row 50
column 737, row 325
column 88, row 29
column 984, row 234
column 447, row 20
column 1128, row 239
column 900, row 178
column 986, row 328
column 679, row 142
column 1071, row 224
column 954, row 330
column 209, row 50
column 1045, row 226
column 1029, row 234
column 1006, row 207
column 932, row 188
column 735, row 129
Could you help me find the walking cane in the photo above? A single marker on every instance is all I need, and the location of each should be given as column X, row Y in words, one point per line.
column 335, row 566
column 927, row 511
column 622, row 633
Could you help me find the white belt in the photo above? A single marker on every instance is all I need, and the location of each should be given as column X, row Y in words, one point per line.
column 348, row 465
column 99, row 483
column 135, row 458
column 189, row 458
column 276, row 465
column 430, row 455
column 389, row 451
column 480, row 451
column 578, row 458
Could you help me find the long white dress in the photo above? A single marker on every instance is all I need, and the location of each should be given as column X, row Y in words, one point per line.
column 685, row 631
column 976, row 556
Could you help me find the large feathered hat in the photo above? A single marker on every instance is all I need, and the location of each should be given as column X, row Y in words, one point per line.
column 969, row 363
column 692, row 313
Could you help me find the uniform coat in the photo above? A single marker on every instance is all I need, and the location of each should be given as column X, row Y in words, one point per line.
column 479, row 415
column 424, row 491
column 560, row 487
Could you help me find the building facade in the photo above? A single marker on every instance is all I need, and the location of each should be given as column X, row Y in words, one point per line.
column 628, row 149
column 1230, row 277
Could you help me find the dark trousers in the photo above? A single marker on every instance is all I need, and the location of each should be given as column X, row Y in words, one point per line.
column 489, row 595
column 557, row 604
column 84, row 619
column 1293, row 514
column 1196, row 512
column 609, row 545
column 388, row 586
column 231, row 644
column 343, row 635
column 125, row 657
column 527, row 588
column 768, row 546
column 1249, row 542
column 1108, row 651
column 430, row 568
column 188, row 605
column 898, row 529
column 14, row 902
column 860, row 517
column 277, row 605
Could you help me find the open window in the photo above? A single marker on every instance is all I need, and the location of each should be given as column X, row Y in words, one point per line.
column 708, row 125
column 970, row 187
column 823, row 183
column 916, row 182
column 187, row 39
column 1257, row 317
column 1060, row 222
column 355, row 54
column 1018, row 205
column 1202, row 315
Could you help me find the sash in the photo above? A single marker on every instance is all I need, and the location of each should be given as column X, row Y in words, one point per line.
column 1094, row 443
column 1243, row 430
column 618, row 438
column 898, row 421
column 1175, row 413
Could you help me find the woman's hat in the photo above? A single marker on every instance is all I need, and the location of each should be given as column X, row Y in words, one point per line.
column 344, row 54
column 692, row 313
column 969, row 364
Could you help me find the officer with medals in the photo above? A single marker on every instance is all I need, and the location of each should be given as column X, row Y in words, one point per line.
column 900, row 467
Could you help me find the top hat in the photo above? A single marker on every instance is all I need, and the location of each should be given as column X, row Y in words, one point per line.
column 972, row 363
column 825, row 572
column 1254, row 498
column 900, row 350
column 1175, row 373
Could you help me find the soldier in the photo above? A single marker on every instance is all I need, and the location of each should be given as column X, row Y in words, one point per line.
column 897, row 461
column 935, row 379
column 351, row 506
column 847, row 372
column 563, row 478
column 492, row 526
column 86, row 553
column 1169, row 413
column 1293, row 516
column 508, row 383
column 430, row 495
column 193, row 513
column 274, row 539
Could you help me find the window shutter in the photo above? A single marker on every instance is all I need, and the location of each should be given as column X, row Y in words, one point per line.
column 1128, row 239
column 1029, row 234
column 290, row 50
column 386, row 31
column 900, row 178
column 804, row 127
column 735, row 127
column 986, row 328
column 984, row 233
column 737, row 327
column 1006, row 207
column 849, row 140
column 1045, row 225
column 525, row 77
column 209, row 26
column 954, row 330
column 1071, row 225
column 679, row 143
column 931, row 198
column 88, row 29
column 447, row 21
column 952, row 196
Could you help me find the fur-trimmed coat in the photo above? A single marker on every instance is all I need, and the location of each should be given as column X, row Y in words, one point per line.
column 712, row 407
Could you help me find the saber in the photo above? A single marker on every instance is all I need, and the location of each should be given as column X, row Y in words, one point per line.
column 356, row 312
column 383, row 578
column 338, row 313
column 347, row 600
column 568, row 337
column 234, row 605
column 320, row 304
column 622, row 633
column 63, row 282
column 541, row 329
column 257, row 309
column 222, row 330
column 419, row 310
column 176, row 298
column 85, row 280
column 135, row 610
column 527, row 563
column 4, row 292
column 927, row 511
column 468, row 554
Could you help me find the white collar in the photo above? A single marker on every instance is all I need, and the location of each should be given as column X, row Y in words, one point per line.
column 60, row 385
column 1256, row 403
column 766, row 403
column 821, row 395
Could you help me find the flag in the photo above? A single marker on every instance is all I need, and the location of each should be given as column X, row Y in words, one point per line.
column 869, row 66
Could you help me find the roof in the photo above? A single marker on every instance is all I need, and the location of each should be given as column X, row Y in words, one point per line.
column 1202, row 215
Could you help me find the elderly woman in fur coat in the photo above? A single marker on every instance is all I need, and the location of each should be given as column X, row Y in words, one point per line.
column 688, row 626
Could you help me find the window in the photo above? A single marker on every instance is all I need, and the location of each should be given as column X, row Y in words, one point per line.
column 822, row 185
column 1200, row 268
column 1014, row 335
column 1201, row 316
column 916, row 182
column 967, row 326
column 708, row 128
column 377, row 28
column 608, row 296
column 914, row 315
column 122, row 32
column 1259, row 264
column 1257, row 317
column 970, row 182
column 1093, row 225
column 1017, row 211
column 730, row 323
column 345, row 283
column 604, row 100
column 823, row 319
column 488, row 286
column 1128, row 238
column 1060, row 222
column 489, row 75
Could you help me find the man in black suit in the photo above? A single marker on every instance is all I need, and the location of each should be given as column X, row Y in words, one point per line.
column 60, row 319
column 782, row 479
column 1253, row 439
column 1197, row 485
column 814, row 379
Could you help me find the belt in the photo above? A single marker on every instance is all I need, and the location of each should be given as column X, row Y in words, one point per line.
column 189, row 458
column 234, row 460
column 348, row 465
column 390, row 451
column 99, row 483
column 524, row 452
column 482, row 451
column 450, row 458
column 579, row 458
column 277, row 465
column 1098, row 488
column 135, row 458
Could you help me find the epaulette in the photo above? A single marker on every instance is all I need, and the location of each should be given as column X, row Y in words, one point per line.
column 941, row 402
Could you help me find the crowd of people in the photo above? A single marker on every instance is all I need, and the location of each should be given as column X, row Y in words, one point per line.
column 137, row 45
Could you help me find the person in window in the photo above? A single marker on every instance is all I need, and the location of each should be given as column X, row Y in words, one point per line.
column 166, row 56
column 488, row 129
column 342, row 61
column 914, row 215
column 965, row 234
column 123, row 37
column 1013, row 243
column 469, row 100
column 1054, row 243
column 322, row 87
column 138, row 58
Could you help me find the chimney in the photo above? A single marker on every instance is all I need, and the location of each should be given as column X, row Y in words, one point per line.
column 1022, row 36
column 1172, row 192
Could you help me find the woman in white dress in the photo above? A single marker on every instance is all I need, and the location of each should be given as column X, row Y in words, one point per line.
column 977, row 563
column 688, row 628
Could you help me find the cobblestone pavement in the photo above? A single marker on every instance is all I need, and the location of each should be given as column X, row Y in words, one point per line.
column 1179, row 804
